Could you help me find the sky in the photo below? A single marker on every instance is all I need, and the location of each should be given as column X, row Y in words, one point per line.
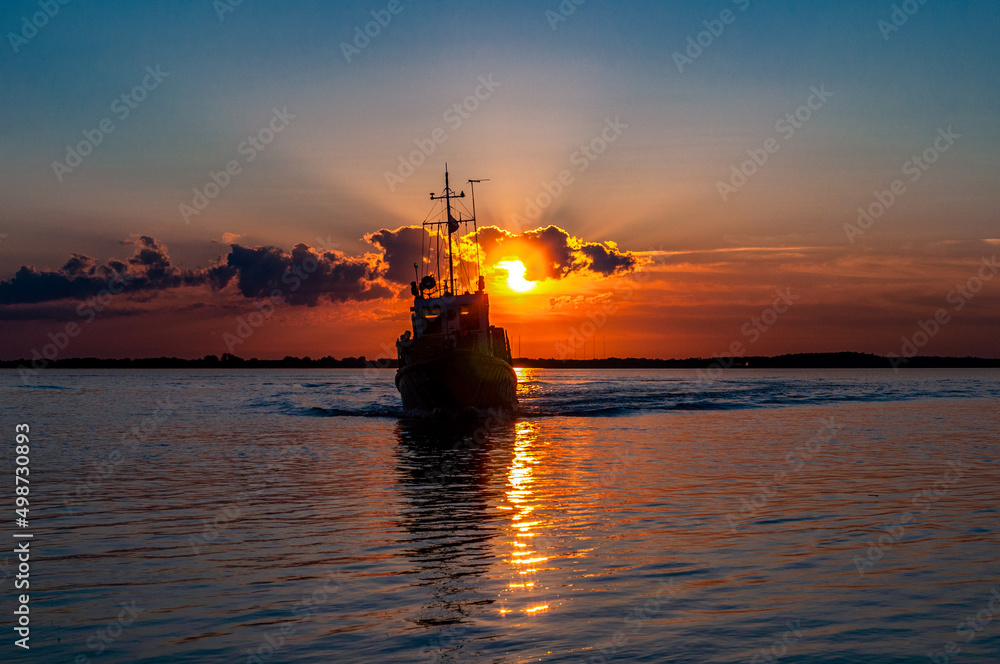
column 678, row 179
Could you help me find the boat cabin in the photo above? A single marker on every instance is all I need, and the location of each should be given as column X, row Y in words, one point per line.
column 459, row 315
column 460, row 322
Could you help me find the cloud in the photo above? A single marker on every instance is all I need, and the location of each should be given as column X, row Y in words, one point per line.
column 574, row 301
column 400, row 248
column 547, row 253
column 552, row 253
column 305, row 277
column 606, row 259
column 148, row 270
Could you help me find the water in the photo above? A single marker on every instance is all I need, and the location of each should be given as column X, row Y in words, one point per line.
column 631, row 516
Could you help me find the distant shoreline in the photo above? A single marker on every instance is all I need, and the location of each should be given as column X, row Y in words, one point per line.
column 844, row 360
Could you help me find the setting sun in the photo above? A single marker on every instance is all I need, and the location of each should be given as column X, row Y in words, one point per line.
column 515, row 276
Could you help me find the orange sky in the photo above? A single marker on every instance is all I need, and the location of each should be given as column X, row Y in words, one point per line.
column 803, row 149
column 765, row 299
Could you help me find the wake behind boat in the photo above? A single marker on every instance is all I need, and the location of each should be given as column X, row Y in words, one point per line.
column 453, row 359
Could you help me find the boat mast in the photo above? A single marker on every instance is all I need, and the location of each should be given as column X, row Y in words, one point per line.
column 475, row 228
column 452, row 224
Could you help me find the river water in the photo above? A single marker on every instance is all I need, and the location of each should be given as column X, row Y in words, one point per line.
column 631, row 516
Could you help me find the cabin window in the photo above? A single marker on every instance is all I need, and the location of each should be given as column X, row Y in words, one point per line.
column 469, row 315
column 431, row 318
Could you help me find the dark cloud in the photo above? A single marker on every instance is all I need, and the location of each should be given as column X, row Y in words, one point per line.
column 559, row 247
column 401, row 248
column 79, row 265
column 304, row 276
column 29, row 285
column 606, row 259
column 148, row 271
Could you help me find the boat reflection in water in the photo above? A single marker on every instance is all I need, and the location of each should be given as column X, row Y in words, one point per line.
column 469, row 508
column 444, row 471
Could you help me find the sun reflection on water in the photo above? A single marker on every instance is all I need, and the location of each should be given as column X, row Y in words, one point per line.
column 522, row 592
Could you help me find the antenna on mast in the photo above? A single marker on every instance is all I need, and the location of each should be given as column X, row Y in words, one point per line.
column 452, row 225
column 480, row 282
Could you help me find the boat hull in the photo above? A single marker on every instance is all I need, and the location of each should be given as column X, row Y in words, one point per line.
column 460, row 380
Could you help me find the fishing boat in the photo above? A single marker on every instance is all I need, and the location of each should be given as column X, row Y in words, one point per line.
column 453, row 359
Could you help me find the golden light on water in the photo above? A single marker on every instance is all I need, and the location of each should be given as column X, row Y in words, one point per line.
column 522, row 498
column 515, row 276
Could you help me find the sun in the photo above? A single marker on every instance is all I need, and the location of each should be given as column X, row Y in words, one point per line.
column 515, row 276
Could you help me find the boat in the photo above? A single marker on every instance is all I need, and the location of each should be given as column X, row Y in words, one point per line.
column 452, row 359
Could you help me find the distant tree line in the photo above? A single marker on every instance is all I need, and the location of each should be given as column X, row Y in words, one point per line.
column 227, row 361
column 843, row 360
column 793, row 361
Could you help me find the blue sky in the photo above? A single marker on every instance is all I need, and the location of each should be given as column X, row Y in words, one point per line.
column 655, row 188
